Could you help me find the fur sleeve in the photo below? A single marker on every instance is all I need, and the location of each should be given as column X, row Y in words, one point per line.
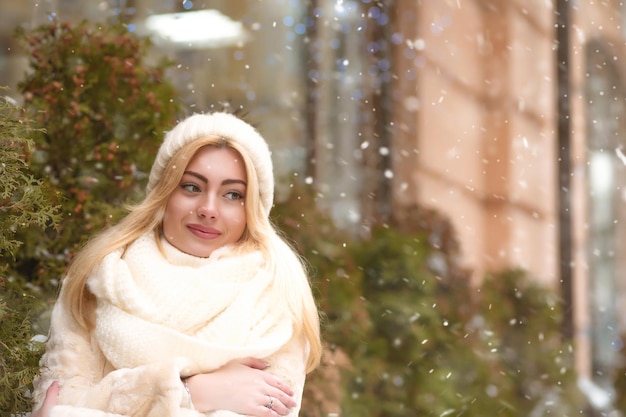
column 70, row 358
column 88, row 384
column 289, row 363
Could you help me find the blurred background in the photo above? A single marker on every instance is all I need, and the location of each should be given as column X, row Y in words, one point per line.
column 503, row 117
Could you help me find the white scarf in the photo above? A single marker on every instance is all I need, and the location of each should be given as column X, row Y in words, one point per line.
column 208, row 311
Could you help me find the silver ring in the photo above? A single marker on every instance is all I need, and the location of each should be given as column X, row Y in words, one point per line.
column 270, row 404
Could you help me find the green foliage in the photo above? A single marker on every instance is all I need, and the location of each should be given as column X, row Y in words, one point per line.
column 522, row 322
column 104, row 108
column 19, row 353
column 619, row 378
column 323, row 247
column 420, row 339
column 25, row 201
column 417, row 359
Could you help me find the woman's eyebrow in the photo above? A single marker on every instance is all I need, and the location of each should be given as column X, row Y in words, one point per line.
column 234, row 181
column 198, row 176
column 206, row 181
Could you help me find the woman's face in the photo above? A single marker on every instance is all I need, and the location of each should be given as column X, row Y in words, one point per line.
column 206, row 211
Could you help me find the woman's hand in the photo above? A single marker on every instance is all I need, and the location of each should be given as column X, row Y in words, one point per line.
column 51, row 399
column 241, row 386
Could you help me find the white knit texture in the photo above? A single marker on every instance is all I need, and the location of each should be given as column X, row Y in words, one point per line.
column 150, row 309
column 227, row 126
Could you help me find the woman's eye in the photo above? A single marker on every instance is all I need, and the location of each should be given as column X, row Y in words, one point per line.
column 192, row 188
column 234, row 195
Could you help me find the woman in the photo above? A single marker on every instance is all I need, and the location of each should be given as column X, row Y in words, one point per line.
column 192, row 305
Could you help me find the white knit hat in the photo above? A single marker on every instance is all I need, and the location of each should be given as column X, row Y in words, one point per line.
column 229, row 127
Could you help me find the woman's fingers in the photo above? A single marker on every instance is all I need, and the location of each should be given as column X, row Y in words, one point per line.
column 273, row 381
column 52, row 394
column 280, row 385
column 273, row 406
column 50, row 401
column 282, row 397
column 286, row 389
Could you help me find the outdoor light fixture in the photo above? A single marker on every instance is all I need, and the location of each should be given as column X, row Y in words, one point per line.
column 195, row 29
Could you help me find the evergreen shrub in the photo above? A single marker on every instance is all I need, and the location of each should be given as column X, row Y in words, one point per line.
column 104, row 107
column 25, row 201
column 410, row 336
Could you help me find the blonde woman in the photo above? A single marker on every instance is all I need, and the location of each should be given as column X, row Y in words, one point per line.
column 193, row 304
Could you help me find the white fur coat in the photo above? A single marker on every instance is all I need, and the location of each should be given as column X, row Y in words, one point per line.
column 160, row 317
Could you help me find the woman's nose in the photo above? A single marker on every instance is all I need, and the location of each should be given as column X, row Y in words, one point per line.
column 207, row 208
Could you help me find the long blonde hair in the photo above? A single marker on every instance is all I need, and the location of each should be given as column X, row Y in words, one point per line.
column 292, row 286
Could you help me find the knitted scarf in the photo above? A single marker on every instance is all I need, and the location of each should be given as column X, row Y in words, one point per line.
column 154, row 306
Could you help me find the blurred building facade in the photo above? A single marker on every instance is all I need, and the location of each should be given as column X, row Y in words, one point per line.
column 470, row 107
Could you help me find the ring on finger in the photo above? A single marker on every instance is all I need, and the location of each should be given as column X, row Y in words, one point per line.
column 270, row 403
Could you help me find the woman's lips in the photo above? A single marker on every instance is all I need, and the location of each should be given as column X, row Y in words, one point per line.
column 204, row 232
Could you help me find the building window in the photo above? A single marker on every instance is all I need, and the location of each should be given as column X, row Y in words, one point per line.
column 349, row 88
column 606, row 132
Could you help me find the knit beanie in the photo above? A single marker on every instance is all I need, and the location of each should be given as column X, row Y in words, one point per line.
column 227, row 126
